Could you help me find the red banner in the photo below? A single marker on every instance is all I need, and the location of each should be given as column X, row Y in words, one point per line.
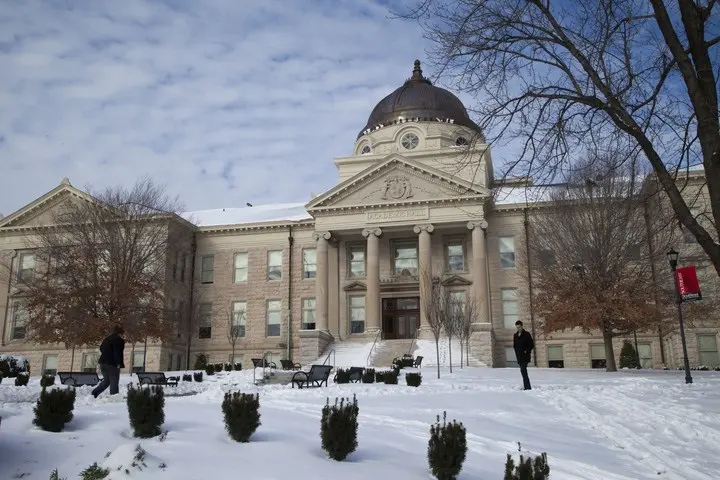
column 687, row 282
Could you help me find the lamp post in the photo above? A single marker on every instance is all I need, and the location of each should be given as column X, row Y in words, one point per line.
column 672, row 256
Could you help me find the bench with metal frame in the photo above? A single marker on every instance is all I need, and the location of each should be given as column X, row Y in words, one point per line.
column 315, row 377
column 79, row 379
column 156, row 378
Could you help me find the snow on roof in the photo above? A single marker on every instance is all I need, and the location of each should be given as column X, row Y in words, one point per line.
column 522, row 194
column 276, row 212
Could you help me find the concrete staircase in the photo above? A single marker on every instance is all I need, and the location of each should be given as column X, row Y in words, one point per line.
column 387, row 350
column 346, row 354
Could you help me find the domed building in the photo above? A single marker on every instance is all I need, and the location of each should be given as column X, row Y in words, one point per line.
column 346, row 277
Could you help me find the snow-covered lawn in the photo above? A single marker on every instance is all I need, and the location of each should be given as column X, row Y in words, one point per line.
column 593, row 425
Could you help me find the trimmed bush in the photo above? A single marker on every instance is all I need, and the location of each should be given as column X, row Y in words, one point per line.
column 446, row 449
column 380, row 377
column 22, row 379
column 11, row 367
column 201, row 362
column 47, row 380
column 237, row 367
column 4, row 368
column 146, row 409
column 1, row 377
column 94, row 472
column 391, row 377
column 198, row 376
column 187, row 377
column 55, row 475
column 218, row 367
column 342, row 376
column 528, row 469
column 628, row 356
column 413, row 379
column 338, row 428
column 210, row 369
column 368, row 375
column 228, row 367
column 54, row 409
column 242, row 415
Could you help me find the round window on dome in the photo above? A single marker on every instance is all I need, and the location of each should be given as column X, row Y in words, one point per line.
column 461, row 141
column 409, row 141
column 365, row 150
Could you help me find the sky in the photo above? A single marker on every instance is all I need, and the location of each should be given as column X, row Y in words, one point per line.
column 222, row 101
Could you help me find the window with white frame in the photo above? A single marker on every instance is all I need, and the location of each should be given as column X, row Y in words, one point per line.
column 356, row 261
column 507, row 252
column 90, row 362
column 138, row 360
column 455, row 251
column 26, row 267
column 241, row 267
column 274, row 317
column 239, row 318
column 308, row 314
column 205, row 320
column 274, row 265
column 457, row 301
column 50, row 364
column 19, row 320
column 405, row 258
column 357, row 314
column 555, row 356
column 207, row 265
column 509, row 299
column 597, row 355
column 645, row 354
column 309, row 263
column 510, row 358
column 708, row 350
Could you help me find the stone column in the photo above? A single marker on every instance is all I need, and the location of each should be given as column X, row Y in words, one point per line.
column 321, row 281
column 425, row 269
column 372, row 296
column 479, row 270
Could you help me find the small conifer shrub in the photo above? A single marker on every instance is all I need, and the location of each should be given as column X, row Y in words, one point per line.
column 201, row 362
column 342, row 376
column 146, row 409
column 94, row 472
column 413, row 379
column 47, row 380
column 22, row 379
column 187, row 377
column 210, row 369
column 55, row 475
column 237, row 367
column 528, row 468
column 1, row 377
column 242, row 415
column 380, row 377
column 198, row 376
column 446, row 449
column 368, row 375
column 54, row 409
column 5, row 368
column 339, row 427
column 228, row 367
column 391, row 377
column 219, row 367
column 628, row 356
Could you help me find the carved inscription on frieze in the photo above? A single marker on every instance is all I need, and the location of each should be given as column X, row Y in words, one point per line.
column 398, row 215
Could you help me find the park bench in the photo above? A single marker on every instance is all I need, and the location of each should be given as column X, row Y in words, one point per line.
column 418, row 362
column 289, row 365
column 79, row 379
column 156, row 378
column 317, row 375
column 258, row 363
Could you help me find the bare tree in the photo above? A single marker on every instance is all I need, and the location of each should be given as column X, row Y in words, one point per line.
column 566, row 77
column 435, row 307
column 236, row 328
column 101, row 261
column 453, row 318
column 467, row 317
column 594, row 270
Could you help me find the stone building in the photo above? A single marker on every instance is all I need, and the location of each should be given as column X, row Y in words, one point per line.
column 297, row 280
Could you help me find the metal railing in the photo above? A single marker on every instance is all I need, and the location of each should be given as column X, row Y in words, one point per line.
column 331, row 352
column 367, row 362
column 264, row 364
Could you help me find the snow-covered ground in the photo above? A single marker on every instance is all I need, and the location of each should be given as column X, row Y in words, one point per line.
column 594, row 425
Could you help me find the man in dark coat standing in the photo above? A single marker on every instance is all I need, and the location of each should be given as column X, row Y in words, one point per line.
column 523, row 344
column 112, row 352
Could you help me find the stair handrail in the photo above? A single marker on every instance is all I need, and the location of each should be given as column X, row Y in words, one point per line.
column 264, row 363
column 414, row 337
column 331, row 352
column 367, row 362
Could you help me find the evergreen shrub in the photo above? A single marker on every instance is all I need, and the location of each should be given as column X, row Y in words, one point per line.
column 380, row 377
column 22, row 379
column 338, row 428
column 368, row 375
column 447, row 449
column 187, row 377
column 198, row 376
column 342, row 376
column 210, row 369
column 54, row 409
column 228, row 367
column 628, row 356
column 237, row 367
column 413, row 379
column 219, row 367
column 146, row 409
column 242, row 415
column 201, row 362
column 528, row 468
column 47, row 380
column 391, row 377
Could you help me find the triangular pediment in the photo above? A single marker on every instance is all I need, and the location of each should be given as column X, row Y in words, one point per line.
column 455, row 281
column 396, row 181
column 355, row 287
column 43, row 210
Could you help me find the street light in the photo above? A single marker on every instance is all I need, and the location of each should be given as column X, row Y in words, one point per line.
column 672, row 256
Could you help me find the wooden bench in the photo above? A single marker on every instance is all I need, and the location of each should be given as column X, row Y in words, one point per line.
column 289, row 365
column 156, row 378
column 317, row 375
column 258, row 363
column 79, row 379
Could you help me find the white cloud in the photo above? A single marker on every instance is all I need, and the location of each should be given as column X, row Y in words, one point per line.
column 224, row 101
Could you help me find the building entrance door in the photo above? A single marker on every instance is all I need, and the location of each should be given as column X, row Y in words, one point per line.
column 401, row 317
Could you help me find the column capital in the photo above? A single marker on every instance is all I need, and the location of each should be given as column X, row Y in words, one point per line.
column 429, row 228
column 482, row 224
column 377, row 231
column 324, row 235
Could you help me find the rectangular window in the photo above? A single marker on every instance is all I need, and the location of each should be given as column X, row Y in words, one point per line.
column 455, row 255
column 205, row 330
column 90, row 362
column 356, row 257
column 241, row 268
column 308, row 314
column 555, row 356
column 405, row 258
column 207, row 269
column 309, row 263
column 26, row 270
column 19, row 320
column 50, row 365
column 507, row 252
column 274, row 315
column 138, row 359
column 510, row 358
column 509, row 307
column 645, row 354
column 457, row 300
column 274, row 268
column 708, row 350
column 357, row 314
column 239, row 318
column 597, row 355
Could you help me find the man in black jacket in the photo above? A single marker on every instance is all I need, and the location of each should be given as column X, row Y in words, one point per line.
column 523, row 344
column 112, row 351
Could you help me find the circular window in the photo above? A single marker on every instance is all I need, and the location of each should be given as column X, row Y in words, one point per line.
column 409, row 141
column 461, row 141
column 365, row 149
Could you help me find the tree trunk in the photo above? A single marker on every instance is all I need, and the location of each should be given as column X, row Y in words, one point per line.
column 609, row 353
column 437, row 353
column 450, row 352
column 461, row 352
column 72, row 358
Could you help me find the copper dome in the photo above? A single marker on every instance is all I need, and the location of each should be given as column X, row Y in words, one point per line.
column 418, row 100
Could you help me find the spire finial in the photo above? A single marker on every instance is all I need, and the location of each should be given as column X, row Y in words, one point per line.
column 65, row 181
column 417, row 71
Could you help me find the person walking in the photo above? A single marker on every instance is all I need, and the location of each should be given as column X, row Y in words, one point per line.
column 112, row 352
column 523, row 344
